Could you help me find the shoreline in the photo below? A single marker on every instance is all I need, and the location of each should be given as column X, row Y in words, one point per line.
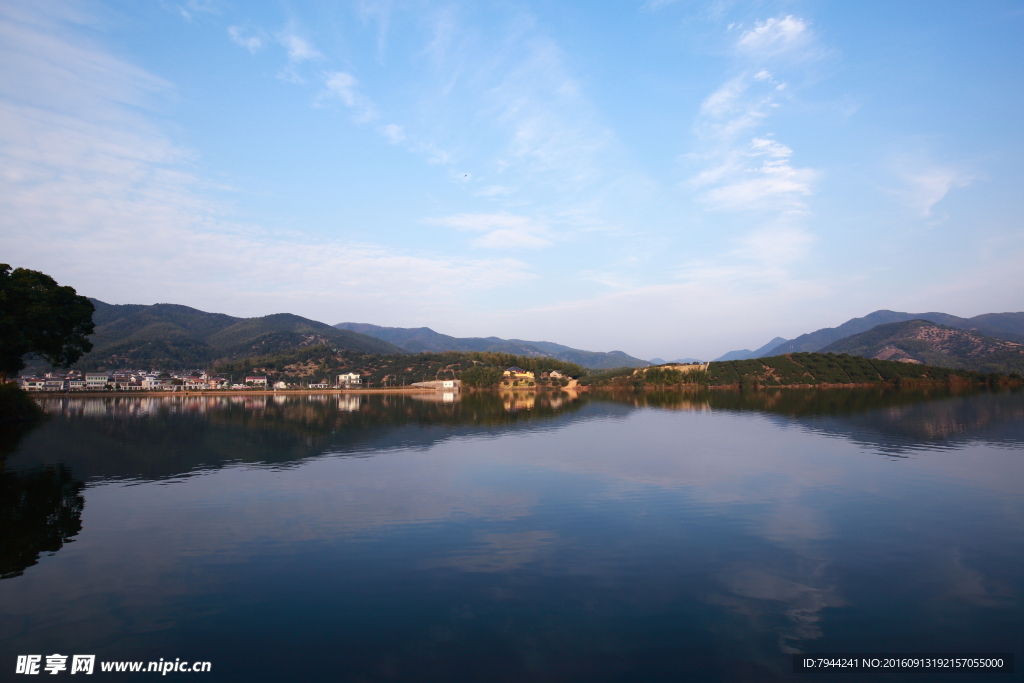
column 232, row 392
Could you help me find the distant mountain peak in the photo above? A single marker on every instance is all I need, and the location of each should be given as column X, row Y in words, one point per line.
column 420, row 339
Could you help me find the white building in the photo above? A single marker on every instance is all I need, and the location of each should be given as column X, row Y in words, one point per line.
column 350, row 379
column 95, row 380
column 257, row 380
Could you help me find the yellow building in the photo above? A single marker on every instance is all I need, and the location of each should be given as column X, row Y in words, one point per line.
column 518, row 373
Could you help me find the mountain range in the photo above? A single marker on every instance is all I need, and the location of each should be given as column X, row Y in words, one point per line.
column 420, row 339
column 924, row 342
column 173, row 336
column 1007, row 326
column 746, row 354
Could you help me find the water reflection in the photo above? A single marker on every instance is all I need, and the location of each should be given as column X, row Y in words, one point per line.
column 543, row 537
column 893, row 420
column 99, row 437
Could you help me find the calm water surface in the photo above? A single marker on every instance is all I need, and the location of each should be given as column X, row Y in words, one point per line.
column 656, row 537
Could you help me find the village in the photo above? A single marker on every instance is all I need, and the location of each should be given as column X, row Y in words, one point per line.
column 153, row 380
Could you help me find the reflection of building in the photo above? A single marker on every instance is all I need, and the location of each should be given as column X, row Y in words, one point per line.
column 519, row 401
column 349, row 402
column 350, row 379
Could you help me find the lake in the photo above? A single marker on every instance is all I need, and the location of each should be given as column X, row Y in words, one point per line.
column 489, row 537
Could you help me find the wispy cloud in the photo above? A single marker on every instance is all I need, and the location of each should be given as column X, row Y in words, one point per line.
column 379, row 11
column 393, row 133
column 101, row 182
column 343, row 87
column 739, row 168
column 190, row 9
column 239, row 36
column 925, row 185
column 760, row 177
column 502, row 230
column 297, row 48
column 775, row 36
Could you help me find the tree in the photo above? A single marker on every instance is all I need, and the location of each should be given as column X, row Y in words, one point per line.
column 481, row 376
column 39, row 316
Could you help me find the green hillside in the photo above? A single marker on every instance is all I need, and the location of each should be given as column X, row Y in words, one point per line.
column 323, row 363
column 170, row 336
column 794, row 369
column 922, row 341
column 826, row 368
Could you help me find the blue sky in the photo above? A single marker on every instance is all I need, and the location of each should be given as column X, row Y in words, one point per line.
column 668, row 178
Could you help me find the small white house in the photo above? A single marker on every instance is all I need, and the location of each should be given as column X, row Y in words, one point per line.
column 350, row 379
column 280, row 384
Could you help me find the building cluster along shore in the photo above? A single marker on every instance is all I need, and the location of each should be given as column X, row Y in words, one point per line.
column 153, row 380
column 126, row 380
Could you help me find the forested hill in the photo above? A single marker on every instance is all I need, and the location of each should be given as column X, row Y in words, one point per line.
column 921, row 341
column 424, row 339
column 170, row 336
column 1008, row 326
column 827, row 368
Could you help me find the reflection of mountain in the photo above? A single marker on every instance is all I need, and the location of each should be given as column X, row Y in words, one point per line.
column 890, row 419
column 101, row 437
column 40, row 510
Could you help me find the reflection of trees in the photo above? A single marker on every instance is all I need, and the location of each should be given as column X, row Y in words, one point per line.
column 794, row 402
column 156, row 437
column 890, row 418
column 40, row 510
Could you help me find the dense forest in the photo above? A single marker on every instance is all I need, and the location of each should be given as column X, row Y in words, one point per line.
column 794, row 369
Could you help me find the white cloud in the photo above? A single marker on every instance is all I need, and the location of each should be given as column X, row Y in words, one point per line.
column 772, row 184
column 503, row 230
column 925, row 187
column 746, row 173
column 298, row 49
column 239, row 37
column 342, row 86
column 774, row 36
column 94, row 194
column 393, row 133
